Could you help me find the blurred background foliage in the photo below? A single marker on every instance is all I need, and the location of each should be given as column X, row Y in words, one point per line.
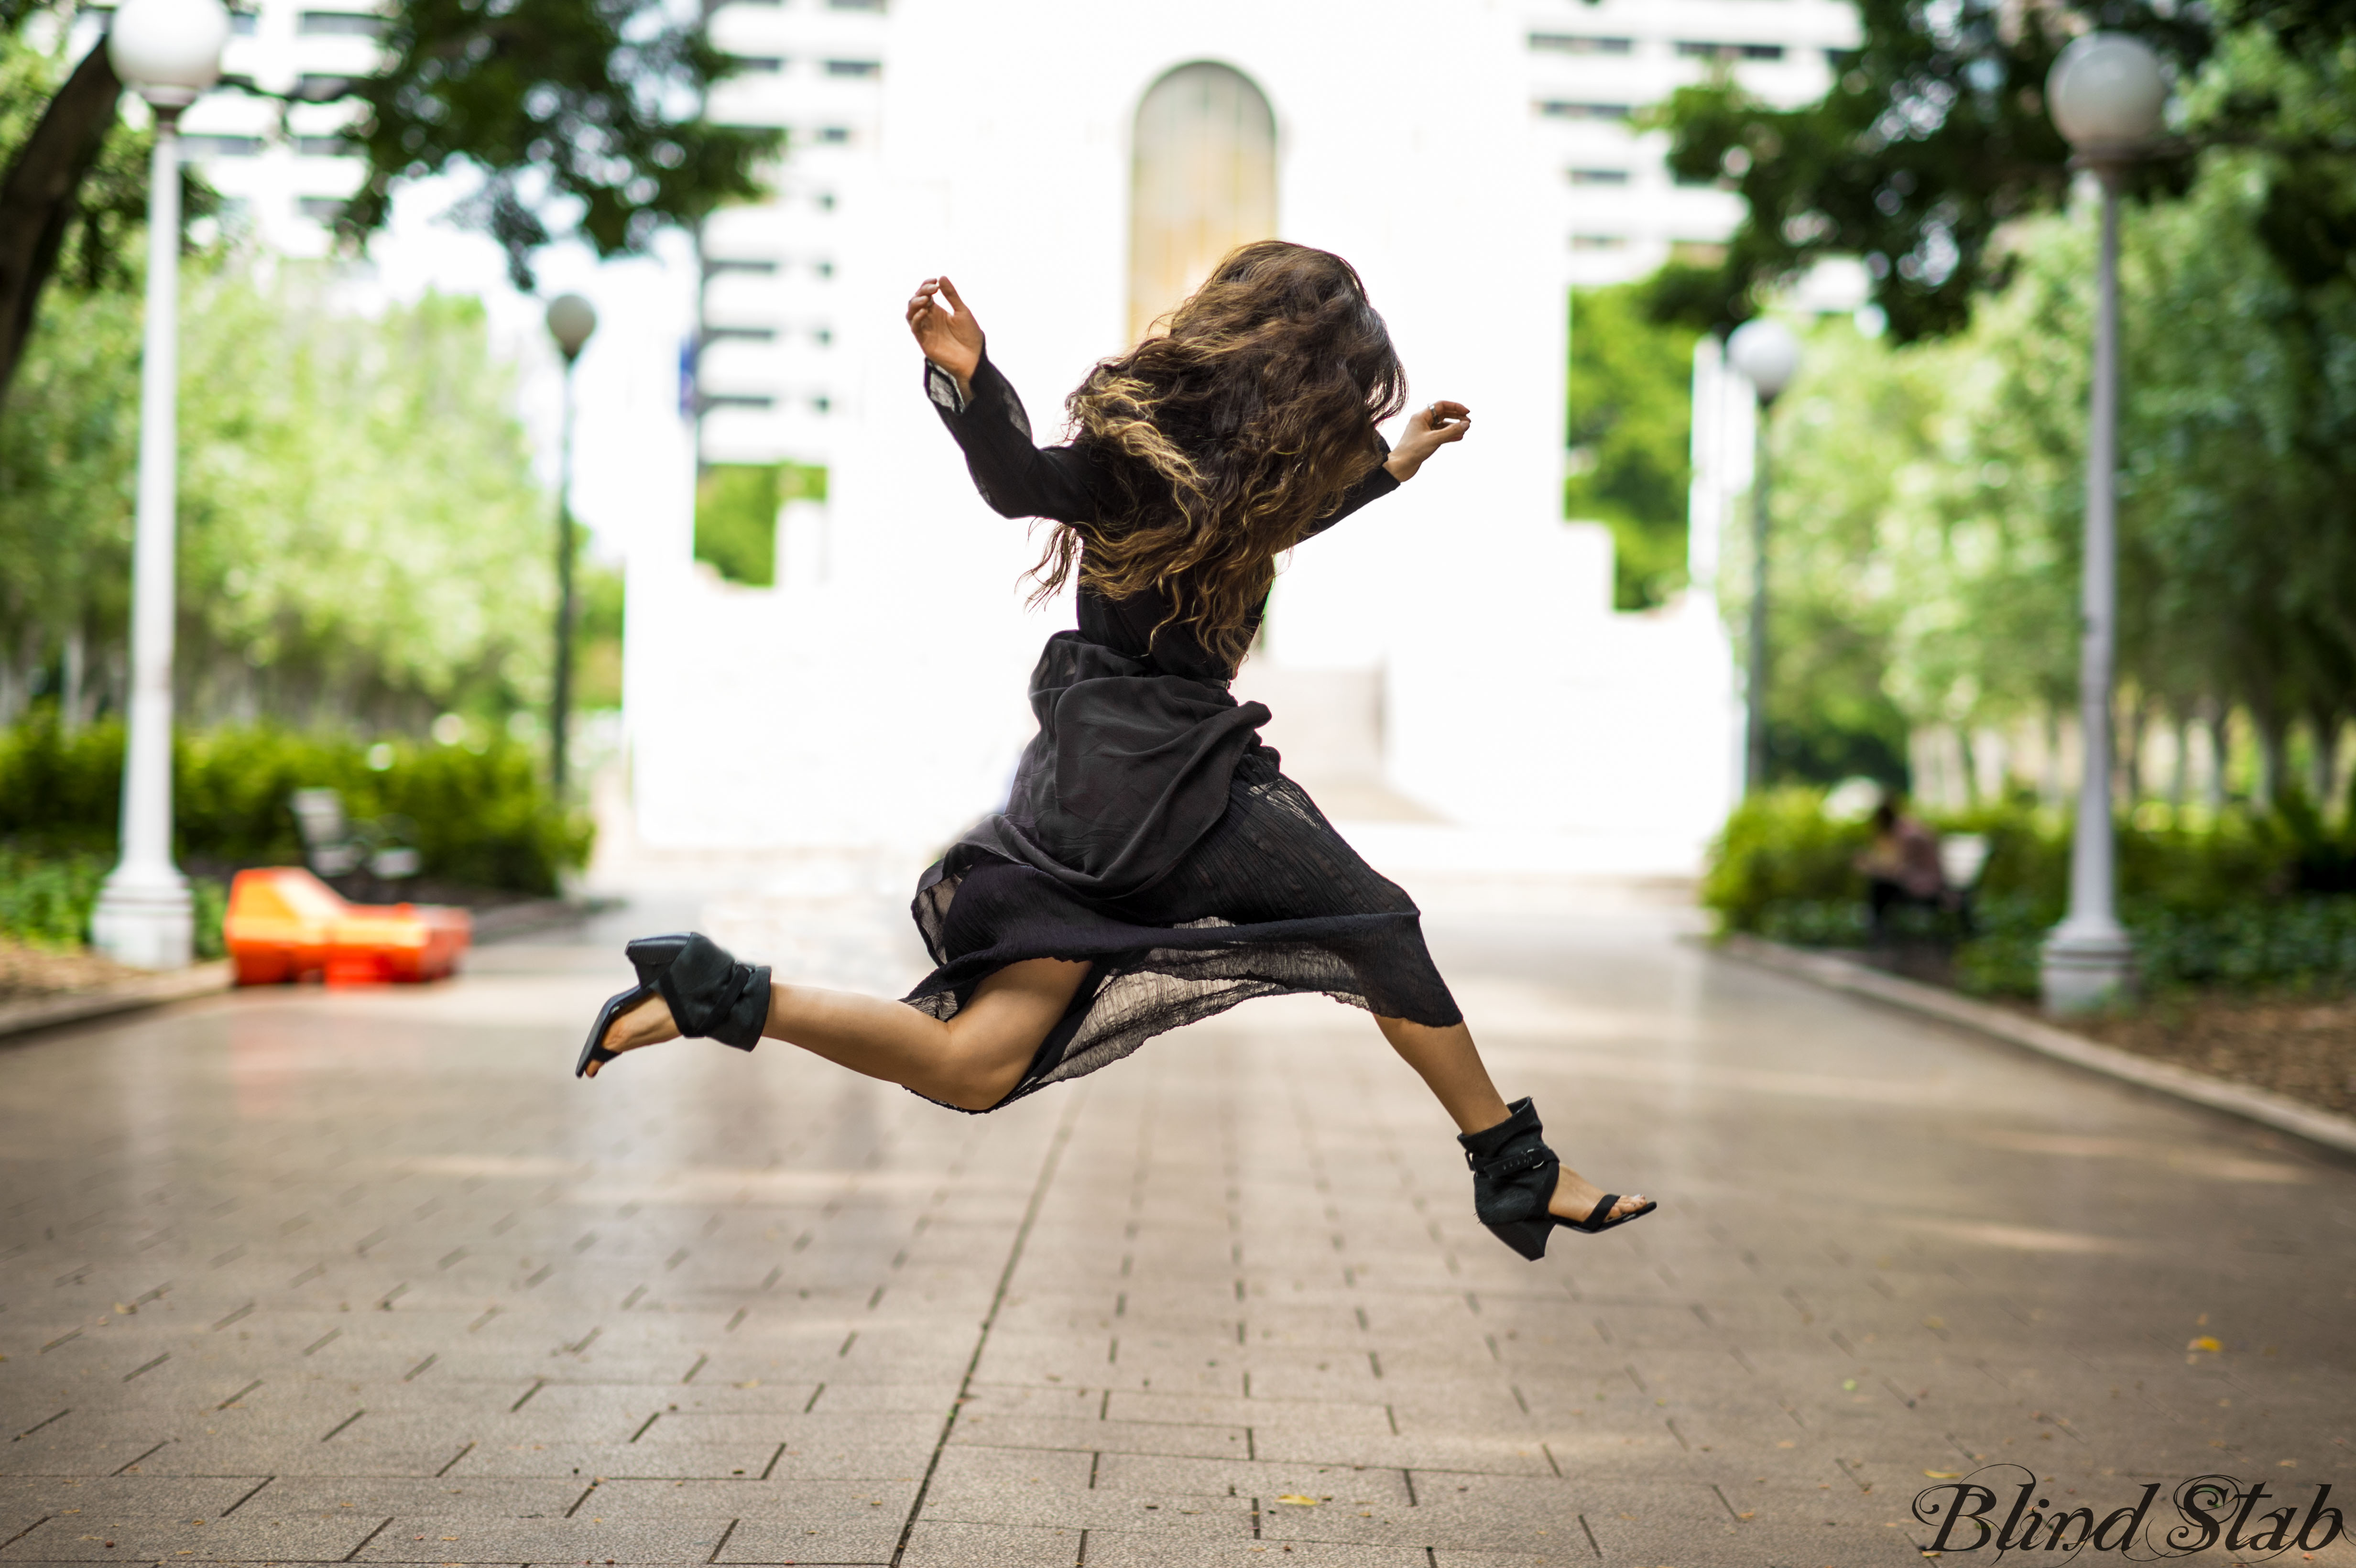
column 736, row 508
column 1929, row 478
column 479, row 807
column 1630, row 440
column 2244, row 898
column 364, row 556
column 362, row 541
column 1929, row 501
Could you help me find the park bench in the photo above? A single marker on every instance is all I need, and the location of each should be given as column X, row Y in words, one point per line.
column 335, row 845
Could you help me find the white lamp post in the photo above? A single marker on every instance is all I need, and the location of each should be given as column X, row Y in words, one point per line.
column 169, row 51
column 2106, row 94
column 1768, row 356
column 571, row 320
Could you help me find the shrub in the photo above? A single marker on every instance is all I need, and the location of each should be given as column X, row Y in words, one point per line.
column 46, row 899
column 1778, row 848
column 2251, row 899
column 482, row 819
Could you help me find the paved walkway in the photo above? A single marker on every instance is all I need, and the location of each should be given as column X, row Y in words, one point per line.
column 364, row 1276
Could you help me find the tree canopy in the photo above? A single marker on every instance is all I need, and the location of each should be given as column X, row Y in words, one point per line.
column 361, row 540
column 583, row 116
column 1931, row 497
column 1631, row 438
column 1935, row 140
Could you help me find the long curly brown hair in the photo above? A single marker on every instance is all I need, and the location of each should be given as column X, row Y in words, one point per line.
column 1230, row 434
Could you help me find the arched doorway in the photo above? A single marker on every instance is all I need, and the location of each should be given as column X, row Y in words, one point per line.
column 1202, row 181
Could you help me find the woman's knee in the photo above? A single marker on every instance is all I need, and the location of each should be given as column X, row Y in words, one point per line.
column 994, row 1036
column 978, row 1081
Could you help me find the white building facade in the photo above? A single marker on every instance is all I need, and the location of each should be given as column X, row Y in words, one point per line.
column 1447, row 667
column 1456, row 641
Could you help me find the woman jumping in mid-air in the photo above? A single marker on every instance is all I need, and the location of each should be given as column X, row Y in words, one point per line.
column 1152, row 867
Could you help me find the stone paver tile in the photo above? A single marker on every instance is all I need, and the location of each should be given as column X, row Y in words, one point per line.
column 85, row 1539
column 1056, row 1401
column 1466, row 1406
column 789, row 1537
column 1339, row 1377
column 1158, row 1473
column 629, row 1406
column 299, row 1453
column 849, row 1398
column 1005, row 1476
column 669, row 1461
column 1080, row 1507
column 376, row 1497
column 1024, row 1431
column 932, row 1545
column 85, row 1452
column 473, row 1538
column 750, row 1500
column 1108, row 1550
column 1514, row 1452
column 1337, row 1417
column 917, row 1429
column 31, row 1497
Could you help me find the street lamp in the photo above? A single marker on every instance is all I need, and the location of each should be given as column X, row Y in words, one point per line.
column 2106, row 94
column 1766, row 354
column 169, row 51
column 571, row 320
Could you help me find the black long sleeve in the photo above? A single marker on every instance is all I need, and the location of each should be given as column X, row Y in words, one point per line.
column 1016, row 478
column 1378, row 483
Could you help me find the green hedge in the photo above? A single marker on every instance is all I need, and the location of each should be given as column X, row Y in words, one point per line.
column 483, row 819
column 46, row 899
column 2253, row 899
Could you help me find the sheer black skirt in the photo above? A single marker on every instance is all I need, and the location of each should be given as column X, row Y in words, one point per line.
column 1270, row 902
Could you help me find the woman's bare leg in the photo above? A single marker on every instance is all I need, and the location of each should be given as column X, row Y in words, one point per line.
column 970, row 1060
column 1449, row 1064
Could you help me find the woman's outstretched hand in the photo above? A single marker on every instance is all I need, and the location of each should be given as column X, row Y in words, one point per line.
column 945, row 329
column 1428, row 429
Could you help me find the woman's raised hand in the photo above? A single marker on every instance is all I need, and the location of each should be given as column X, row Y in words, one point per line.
column 945, row 329
column 1428, row 429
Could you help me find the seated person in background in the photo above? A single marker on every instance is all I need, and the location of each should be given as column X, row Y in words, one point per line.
column 1901, row 867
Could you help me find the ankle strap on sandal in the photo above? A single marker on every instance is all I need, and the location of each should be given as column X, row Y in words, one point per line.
column 1514, row 1172
column 712, row 995
column 1510, row 1165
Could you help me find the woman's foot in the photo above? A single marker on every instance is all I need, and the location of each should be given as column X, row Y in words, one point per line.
column 648, row 1023
column 1575, row 1198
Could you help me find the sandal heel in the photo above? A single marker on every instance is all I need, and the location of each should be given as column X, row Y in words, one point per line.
column 650, row 956
column 1527, row 1237
column 1514, row 1179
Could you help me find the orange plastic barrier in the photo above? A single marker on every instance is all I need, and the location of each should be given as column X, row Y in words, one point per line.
column 284, row 924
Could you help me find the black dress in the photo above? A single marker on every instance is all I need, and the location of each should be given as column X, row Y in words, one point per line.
column 1148, row 830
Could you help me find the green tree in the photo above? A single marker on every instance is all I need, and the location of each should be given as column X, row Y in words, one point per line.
column 590, row 107
column 361, row 540
column 1931, row 495
column 1631, row 437
column 736, row 520
column 1934, row 140
column 1837, row 521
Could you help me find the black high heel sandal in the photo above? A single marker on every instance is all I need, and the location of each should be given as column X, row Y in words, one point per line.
column 711, row 996
column 1514, row 1179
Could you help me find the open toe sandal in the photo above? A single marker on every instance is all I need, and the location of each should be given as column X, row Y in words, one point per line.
column 709, row 994
column 1514, row 1179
